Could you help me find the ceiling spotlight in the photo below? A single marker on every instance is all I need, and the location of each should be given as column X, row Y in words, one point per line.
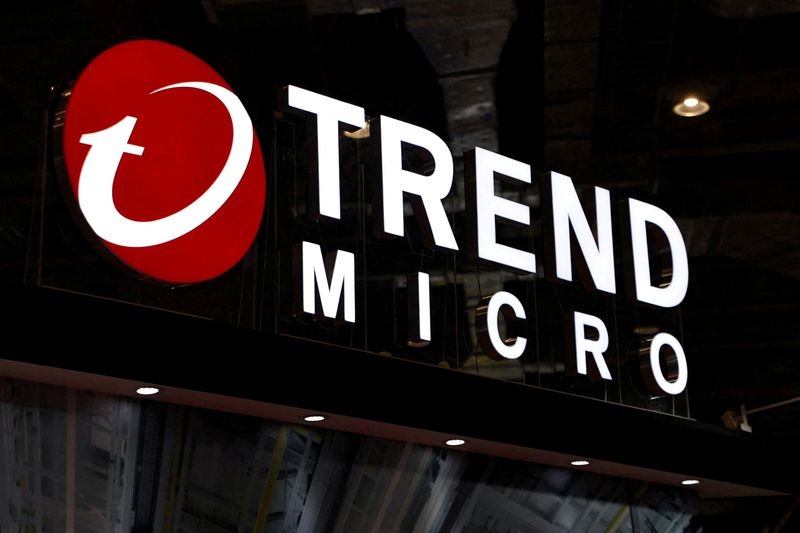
column 690, row 482
column 691, row 106
column 314, row 418
column 455, row 442
column 579, row 462
column 147, row 391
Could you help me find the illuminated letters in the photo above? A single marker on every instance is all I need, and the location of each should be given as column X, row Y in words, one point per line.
column 419, row 307
column 315, row 276
column 595, row 347
column 655, row 379
column 480, row 166
column 673, row 294
column 329, row 114
column 566, row 211
column 405, row 161
column 428, row 191
column 565, row 222
column 488, row 325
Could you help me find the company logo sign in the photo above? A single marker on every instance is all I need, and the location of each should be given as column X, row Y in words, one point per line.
column 164, row 162
column 167, row 171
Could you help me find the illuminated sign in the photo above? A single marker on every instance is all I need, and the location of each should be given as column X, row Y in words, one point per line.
column 564, row 217
column 164, row 162
column 167, row 171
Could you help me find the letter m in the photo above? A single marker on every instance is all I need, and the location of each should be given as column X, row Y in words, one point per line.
column 312, row 279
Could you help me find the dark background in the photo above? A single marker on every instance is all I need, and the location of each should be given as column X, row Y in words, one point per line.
column 580, row 87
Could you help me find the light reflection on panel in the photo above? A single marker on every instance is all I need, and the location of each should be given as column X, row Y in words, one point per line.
column 66, row 459
column 79, row 458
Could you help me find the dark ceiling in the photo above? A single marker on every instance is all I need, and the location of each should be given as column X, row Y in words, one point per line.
column 579, row 86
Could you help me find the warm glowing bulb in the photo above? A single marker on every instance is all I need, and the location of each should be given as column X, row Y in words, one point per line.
column 455, row 442
column 579, row 462
column 314, row 418
column 690, row 482
column 691, row 106
column 147, row 391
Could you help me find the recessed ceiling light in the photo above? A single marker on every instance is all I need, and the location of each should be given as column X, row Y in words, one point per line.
column 579, row 462
column 691, row 106
column 148, row 391
column 455, row 442
column 314, row 418
column 690, row 482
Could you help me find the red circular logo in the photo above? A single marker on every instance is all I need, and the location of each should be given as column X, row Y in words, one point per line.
column 164, row 162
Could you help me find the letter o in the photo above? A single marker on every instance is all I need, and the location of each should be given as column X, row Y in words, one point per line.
column 656, row 379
